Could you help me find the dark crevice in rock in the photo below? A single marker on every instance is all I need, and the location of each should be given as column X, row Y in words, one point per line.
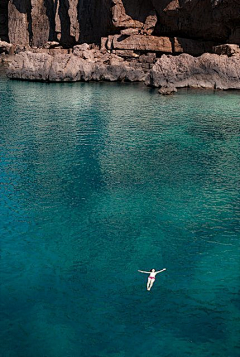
column 29, row 20
column 138, row 9
column 4, row 20
column 95, row 20
column 50, row 12
column 66, row 39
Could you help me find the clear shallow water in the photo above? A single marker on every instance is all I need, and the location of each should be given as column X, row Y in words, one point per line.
column 97, row 181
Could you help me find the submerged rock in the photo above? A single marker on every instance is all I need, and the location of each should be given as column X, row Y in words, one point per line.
column 167, row 90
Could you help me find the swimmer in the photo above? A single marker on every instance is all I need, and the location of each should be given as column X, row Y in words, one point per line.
column 151, row 277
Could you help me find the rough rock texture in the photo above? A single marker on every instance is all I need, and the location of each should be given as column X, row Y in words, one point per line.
column 168, row 72
column 176, row 45
column 229, row 50
column 19, row 30
column 5, row 47
column 211, row 20
column 167, row 90
column 216, row 20
column 34, row 22
column 142, row 43
column 82, row 65
column 132, row 34
column 206, row 71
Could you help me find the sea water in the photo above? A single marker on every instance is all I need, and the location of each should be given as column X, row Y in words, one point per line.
column 99, row 180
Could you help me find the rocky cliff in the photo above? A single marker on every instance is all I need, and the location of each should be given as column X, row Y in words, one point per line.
column 129, row 39
column 35, row 22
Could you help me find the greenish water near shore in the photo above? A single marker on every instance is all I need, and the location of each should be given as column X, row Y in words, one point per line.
column 99, row 180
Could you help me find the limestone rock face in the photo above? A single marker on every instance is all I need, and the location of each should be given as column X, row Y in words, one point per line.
column 35, row 22
column 208, row 20
column 215, row 20
column 73, row 67
column 206, row 71
column 130, row 13
column 192, row 26
column 31, row 66
column 18, row 21
column 88, row 63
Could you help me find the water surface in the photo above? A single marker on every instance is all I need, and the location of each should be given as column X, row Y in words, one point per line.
column 98, row 181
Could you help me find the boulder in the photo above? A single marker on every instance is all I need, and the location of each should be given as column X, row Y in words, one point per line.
column 30, row 66
column 5, row 47
column 71, row 68
column 130, row 31
column 207, row 71
column 150, row 23
column 227, row 49
column 52, row 44
column 142, row 43
column 167, row 90
column 126, row 53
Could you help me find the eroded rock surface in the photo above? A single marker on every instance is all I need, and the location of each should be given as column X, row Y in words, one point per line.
column 168, row 72
column 207, row 71
column 35, row 22
column 82, row 65
column 130, row 39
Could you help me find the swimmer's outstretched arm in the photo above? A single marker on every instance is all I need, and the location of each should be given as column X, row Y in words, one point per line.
column 160, row 271
column 141, row 271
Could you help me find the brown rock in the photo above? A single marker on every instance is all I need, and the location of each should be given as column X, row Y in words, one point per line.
column 121, row 19
column 5, row 47
column 206, row 71
column 38, row 23
column 74, row 30
column 18, row 22
column 31, row 66
column 110, row 42
column 65, row 67
column 130, row 31
column 149, row 58
column 51, row 44
column 126, row 53
column 142, row 43
column 103, row 43
column 209, row 20
column 167, row 90
column 150, row 23
column 58, row 51
column 227, row 49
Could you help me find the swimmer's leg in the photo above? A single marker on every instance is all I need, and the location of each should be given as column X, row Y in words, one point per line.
column 149, row 284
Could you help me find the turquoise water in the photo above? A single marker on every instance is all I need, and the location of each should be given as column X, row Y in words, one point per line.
column 98, row 181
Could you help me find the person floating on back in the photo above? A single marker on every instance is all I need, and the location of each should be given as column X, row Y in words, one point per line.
column 151, row 277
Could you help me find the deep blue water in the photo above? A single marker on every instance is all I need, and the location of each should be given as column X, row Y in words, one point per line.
column 98, row 181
